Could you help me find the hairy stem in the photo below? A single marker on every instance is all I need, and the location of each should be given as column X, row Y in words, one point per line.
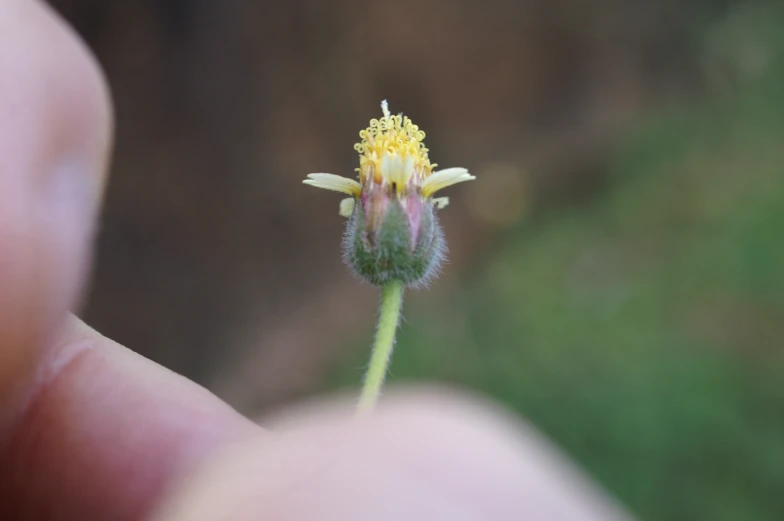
column 389, row 316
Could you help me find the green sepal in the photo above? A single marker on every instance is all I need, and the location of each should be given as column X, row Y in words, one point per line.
column 387, row 253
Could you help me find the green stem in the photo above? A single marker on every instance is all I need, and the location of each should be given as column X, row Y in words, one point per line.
column 391, row 303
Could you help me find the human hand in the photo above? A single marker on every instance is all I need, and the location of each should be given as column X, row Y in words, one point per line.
column 90, row 430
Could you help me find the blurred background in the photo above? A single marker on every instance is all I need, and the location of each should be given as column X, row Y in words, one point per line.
column 615, row 272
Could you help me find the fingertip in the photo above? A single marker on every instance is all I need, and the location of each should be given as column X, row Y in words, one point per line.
column 423, row 455
column 55, row 136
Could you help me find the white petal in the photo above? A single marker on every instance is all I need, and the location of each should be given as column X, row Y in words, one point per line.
column 397, row 171
column 334, row 182
column 386, row 166
column 444, row 178
column 441, row 202
column 347, row 207
column 408, row 168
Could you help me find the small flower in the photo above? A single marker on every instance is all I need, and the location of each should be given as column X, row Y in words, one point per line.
column 393, row 233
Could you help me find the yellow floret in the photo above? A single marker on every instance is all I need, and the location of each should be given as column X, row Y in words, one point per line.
column 389, row 142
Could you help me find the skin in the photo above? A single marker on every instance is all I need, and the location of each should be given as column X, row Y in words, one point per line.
column 90, row 430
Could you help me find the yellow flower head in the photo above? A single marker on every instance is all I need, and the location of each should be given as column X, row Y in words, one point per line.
column 393, row 150
column 392, row 232
column 392, row 157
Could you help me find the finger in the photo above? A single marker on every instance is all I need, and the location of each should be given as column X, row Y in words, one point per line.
column 87, row 429
column 420, row 458
column 103, row 431
column 54, row 138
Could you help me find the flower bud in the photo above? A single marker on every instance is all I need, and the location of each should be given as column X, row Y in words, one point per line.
column 390, row 238
column 393, row 232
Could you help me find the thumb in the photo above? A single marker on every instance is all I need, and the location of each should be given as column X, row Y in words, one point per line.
column 421, row 457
